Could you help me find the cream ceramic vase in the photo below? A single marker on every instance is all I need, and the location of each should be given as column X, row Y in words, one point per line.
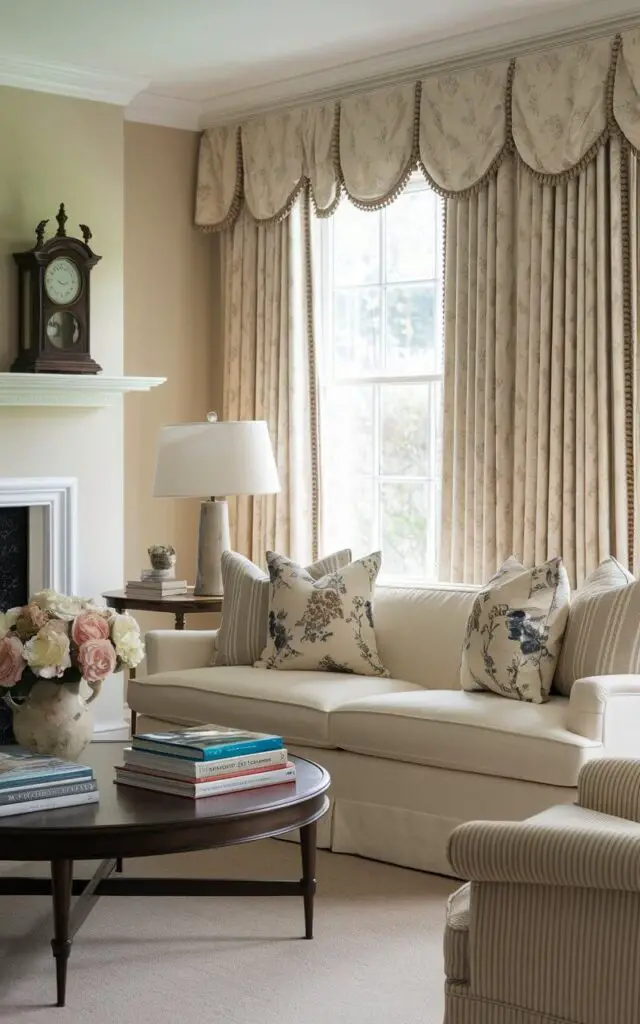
column 54, row 719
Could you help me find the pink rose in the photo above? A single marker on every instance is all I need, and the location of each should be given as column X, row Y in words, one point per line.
column 96, row 659
column 89, row 626
column 11, row 660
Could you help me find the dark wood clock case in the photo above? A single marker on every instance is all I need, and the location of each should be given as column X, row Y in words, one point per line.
column 54, row 336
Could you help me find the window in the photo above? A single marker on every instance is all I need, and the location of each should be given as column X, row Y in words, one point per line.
column 380, row 371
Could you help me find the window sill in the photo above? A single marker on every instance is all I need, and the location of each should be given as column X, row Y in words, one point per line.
column 68, row 389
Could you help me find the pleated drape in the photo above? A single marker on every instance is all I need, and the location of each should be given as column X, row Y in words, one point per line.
column 538, row 451
column 265, row 377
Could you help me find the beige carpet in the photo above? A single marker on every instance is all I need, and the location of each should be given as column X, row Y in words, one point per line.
column 376, row 957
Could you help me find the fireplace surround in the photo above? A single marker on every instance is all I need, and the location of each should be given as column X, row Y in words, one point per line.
column 52, row 510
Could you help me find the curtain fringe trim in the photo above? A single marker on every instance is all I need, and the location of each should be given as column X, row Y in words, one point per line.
column 313, row 378
column 629, row 353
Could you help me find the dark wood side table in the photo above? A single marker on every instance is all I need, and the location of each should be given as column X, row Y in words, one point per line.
column 178, row 606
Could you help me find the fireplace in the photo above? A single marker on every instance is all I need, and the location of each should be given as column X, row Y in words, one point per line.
column 37, row 536
column 14, row 556
column 37, row 546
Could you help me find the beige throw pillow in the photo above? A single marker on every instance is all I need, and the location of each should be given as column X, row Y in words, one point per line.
column 515, row 631
column 325, row 624
column 603, row 630
column 245, row 609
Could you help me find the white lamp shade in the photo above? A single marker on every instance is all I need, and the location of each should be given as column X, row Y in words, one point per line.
column 215, row 459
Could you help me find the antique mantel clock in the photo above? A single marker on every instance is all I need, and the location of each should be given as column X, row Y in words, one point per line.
column 53, row 296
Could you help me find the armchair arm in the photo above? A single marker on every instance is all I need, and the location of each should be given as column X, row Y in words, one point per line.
column 594, row 854
column 169, row 650
column 607, row 709
column 611, row 786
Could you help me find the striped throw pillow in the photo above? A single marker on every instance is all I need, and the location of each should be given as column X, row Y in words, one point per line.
column 245, row 609
column 603, row 631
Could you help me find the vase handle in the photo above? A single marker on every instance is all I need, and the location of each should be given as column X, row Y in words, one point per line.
column 8, row 699
column 95, row 690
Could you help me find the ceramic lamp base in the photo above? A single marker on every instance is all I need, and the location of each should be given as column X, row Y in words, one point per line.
column 213, row 539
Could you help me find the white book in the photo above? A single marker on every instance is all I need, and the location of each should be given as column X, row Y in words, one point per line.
column 156, row 584
column 49, row 803
column 180, row 587
column 197, row 790
column 168, row 764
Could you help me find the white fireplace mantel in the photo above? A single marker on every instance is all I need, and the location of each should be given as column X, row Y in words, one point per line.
column 68, row 389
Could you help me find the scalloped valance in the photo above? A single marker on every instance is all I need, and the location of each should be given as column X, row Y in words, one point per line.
column 553, row 109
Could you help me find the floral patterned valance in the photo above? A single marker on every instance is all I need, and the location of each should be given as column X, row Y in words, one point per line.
column 554, row 109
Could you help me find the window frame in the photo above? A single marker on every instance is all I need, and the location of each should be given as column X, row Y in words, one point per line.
column 324, row 287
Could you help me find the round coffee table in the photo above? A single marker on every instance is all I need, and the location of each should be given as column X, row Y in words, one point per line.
column 131, row 822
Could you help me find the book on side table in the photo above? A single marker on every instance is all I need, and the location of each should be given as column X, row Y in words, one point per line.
column 204, row 762
column 39, row 782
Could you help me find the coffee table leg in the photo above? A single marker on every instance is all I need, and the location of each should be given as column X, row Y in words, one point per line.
column 61, row 884
column 308, row 835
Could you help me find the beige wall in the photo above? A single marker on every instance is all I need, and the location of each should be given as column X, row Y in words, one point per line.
column 171, row 307
column 55, row 149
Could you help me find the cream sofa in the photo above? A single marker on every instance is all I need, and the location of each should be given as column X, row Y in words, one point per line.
column 412, row 756
column 547, row 930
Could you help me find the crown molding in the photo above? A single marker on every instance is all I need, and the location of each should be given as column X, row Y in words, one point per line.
column 506, row 39
column 498, row 41
column 167, row 111
column 67, row 80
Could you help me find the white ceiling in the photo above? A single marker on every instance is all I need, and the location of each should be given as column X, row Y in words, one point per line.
column 192, row 62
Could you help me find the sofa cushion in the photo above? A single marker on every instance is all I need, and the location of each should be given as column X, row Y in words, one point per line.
column 322, row 624
column 294, row 704
column 602, row 636
column 515, row 631
column 456, row 935
column 245, row 610
column 472, row 732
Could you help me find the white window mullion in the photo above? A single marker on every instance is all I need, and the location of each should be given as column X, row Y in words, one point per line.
column 377, row 466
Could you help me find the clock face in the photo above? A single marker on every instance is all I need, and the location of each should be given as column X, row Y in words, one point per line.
column 62, row 281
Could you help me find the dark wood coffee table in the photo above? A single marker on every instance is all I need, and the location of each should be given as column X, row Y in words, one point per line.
column 137, row 823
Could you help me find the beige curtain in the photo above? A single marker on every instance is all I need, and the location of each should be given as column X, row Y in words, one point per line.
column 265, row 377
column 539, row 352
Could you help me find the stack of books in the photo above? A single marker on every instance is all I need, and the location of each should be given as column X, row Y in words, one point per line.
column 158, row 582
column 205, row 762
column 34, row 782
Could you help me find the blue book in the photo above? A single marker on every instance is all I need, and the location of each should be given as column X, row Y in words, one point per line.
column 20, row 767
column 209, row 743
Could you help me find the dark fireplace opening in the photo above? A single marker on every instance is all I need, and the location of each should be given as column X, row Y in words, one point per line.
column 14, row 557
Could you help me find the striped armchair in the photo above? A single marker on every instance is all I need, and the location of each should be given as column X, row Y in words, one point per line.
column 548, row 929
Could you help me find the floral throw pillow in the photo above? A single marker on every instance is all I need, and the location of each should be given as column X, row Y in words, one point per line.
column 243, row 630
column 515, row 630
column 322, row 624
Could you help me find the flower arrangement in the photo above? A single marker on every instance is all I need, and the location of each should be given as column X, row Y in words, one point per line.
column 64, row 639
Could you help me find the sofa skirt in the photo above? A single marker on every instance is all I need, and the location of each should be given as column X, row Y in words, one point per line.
column 404, row 813
column 462, row 1008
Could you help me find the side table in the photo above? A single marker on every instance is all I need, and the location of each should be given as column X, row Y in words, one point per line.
column 179, row 606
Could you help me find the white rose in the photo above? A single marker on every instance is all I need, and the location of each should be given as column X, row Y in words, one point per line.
column 47, row 653
column 121, row 625
column 129, row 648
column 60, row 605
column 8, row 620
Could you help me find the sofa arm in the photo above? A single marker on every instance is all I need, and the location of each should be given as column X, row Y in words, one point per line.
column 169, row 650
column 607, row 709
column 611, row 786
column 587, row 856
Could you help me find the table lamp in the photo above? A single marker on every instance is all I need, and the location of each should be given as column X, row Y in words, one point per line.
column 219, row 459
